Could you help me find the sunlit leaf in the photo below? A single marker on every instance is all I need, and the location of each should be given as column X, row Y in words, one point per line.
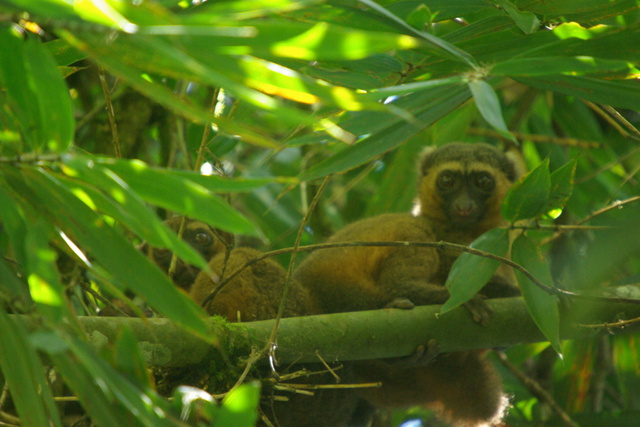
column 44, row 282
column 240, row 407
column 113, row 197
column 179, row 194
column 113, row 251
column 439, row 102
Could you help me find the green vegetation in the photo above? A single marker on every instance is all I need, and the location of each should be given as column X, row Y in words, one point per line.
column 111, row 109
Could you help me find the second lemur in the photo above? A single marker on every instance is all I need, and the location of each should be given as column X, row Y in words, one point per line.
column 460, row 191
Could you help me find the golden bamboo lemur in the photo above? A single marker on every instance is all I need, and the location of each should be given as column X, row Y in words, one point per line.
column 460, row 191
column 254, row 294
column 201, row 236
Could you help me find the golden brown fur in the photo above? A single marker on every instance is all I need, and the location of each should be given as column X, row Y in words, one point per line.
column 460, row 191
column 254, row 294
column 201, row 236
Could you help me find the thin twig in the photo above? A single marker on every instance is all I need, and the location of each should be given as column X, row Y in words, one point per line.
column 206, row 132
column 615, row 205
column 545, row 139
column 612, row 325
column 110, row 113
column 437, row 245
column 287, row 285
column 535, row 389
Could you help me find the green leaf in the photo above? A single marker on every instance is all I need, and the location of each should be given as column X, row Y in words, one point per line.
column 13, row 222
column 562, row 181
column 15, row 81
column 442, row 47
column 623, row 94
column 529, row 196
column 526, row 21
column 179, row 194
column 109, row 397
column 213, row 183
column 579, row 10
column 240, row 407
column 37, row 95
column 542, row 306
column 574, row 65
column 489, row 106
column 470, row 272
column 44, row 282
column 128, row 359
column 420, row 17
column 126, row 206
column 112, row 251
column 440, row 102
column 24, row 374
column 111, row 60
column 52, row 97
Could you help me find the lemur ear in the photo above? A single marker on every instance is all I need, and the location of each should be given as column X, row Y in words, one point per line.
column 514, row 156
column 423, row 156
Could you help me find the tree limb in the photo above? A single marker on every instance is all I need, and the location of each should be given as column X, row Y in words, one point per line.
column 352, row 336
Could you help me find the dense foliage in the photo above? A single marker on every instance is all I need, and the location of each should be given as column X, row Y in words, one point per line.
column 115, row 113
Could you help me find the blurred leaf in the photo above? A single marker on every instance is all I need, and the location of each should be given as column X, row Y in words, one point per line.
column 470, row 273
column 488, row 104
column 108, row 397
column 44, row 282
column 440, row 102
column 128, row 359
column 579, row 10
column 526, row 21
column 52, row 96
column 240, row 407
column 13, row 223
column 542, row 306
column 121, row 203
column 62, row 53
column 110, row 59
column 179, row 194
column 37, row 95
column 420, row 17
column 623, row 94
column 572, row 65
column 441, row 46
column 529, row 196
column 562, row 181
column 112, row 251
column 24, row 374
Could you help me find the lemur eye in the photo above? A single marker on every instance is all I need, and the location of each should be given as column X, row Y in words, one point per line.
column 161, row 253
column 484, row 182
column 446, row 180
column 202, row 239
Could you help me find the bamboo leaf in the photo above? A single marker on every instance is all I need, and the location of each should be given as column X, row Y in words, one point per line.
column 489, row 106
column 562, row 182
column 121, row 203
column 529, row 196
column 110, row 250
column 542, row 306
column 470, row 272
column 179, row 194
column 443, row 102
column 24, row 374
